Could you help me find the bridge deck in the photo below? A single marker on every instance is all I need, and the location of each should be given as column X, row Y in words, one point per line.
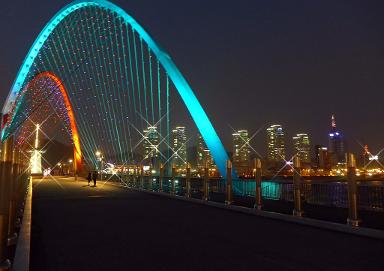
column 76, row 227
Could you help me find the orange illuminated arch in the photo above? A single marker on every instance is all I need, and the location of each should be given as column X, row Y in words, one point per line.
column 71, row 116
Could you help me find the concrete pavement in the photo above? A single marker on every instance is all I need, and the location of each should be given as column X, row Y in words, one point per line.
column 76, row 227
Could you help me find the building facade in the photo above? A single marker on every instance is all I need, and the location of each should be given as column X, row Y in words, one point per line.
column 179, row 145
column 241, row 151
column 302, row 147
column 275, row 143
column 151, row 146
column 204, row 156
column 336, row 146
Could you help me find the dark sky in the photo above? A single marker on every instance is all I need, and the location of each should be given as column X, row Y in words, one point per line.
column 253, row 62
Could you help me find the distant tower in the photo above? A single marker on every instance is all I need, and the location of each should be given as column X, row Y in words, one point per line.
column 336, row 144
column 302, row 147
column 204, row 156
column 276, row 145
column 241, row 151
column 151, row 146
column 179, row 135
column 36, row 155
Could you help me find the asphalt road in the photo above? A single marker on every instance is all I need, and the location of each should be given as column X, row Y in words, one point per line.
column 77, row 227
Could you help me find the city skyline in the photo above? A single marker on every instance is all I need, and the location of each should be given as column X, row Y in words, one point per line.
column 244, row 74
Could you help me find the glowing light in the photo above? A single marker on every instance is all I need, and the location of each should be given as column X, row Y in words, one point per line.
column 373, row 158
column 198, row 114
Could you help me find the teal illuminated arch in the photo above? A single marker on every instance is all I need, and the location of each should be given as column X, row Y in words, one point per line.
column 197, row 112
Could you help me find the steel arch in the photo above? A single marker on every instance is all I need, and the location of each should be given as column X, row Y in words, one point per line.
column 198, row 114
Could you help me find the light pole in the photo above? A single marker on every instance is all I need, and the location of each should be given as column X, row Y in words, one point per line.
column 99, row 156
column 59, row 165
column 70, row 161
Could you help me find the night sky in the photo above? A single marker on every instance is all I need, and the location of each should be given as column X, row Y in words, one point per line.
column 253, row 63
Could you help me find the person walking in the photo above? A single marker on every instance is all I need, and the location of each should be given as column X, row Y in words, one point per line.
column 94, row 177
column 89, row 178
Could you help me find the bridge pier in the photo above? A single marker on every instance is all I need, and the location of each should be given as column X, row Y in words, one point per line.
column 258, row 192
column 6, row 167
column 353, row 218
column 161, row 176
column 206, row 181
column 229, row 199
column 12, row 235
column 172, row 192
column 188, row 181
column 297, row 187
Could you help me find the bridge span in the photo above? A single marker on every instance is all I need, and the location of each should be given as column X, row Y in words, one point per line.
column 80, row 227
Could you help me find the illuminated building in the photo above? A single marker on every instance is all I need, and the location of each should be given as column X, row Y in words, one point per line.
column 150, row 145
column 302, row 147
column 179, row 145
column 322, row 157
column 241, row 151
column 204, row 156
column 336, row 148
column 275, row 143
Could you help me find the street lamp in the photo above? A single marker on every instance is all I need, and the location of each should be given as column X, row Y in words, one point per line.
column 70, row 161
column 100, row 157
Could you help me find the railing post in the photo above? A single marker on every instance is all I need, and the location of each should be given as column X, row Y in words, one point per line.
column 258, row 194
column 161, row 176
column 206, row 182
column 150, row 184
column 353, row 219
column 173, row 180
column 188, row 181
column 228, row 200
column 297, row 186
column 141, row 176
column 5, row 183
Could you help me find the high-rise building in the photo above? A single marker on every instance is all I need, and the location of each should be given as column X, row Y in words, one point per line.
column 204, row 155
column 241, row 151
column 322, row 157
column 275, row 142
column 336, row 148
column 179, row 145
column 302, row 147
column 150, row 145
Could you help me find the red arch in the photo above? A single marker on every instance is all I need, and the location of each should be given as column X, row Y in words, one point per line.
column 71, row 116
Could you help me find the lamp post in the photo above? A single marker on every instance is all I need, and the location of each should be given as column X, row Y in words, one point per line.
column 60, row 168
column 100, row 157
column 70, row 161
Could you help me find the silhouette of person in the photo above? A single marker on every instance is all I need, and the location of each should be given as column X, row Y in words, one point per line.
column 94, row 177
column 89, row 178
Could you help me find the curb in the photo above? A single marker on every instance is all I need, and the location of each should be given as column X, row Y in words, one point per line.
column 23, row 247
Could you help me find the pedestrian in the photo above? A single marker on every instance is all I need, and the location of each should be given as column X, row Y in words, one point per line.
column 89, row 178
column 94, row 177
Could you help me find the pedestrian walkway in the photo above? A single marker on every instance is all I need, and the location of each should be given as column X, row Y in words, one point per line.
column 77, row 227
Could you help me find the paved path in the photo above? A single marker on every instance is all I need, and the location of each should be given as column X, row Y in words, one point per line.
column 76, row 227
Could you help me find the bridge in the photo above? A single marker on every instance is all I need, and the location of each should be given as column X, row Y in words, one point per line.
column 95, row 79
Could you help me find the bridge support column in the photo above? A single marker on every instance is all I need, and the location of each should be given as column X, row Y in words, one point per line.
column 161, row 176
column 173, row 180
column 141, row 177
column 150, row 182
column 258, row 193
column 206, row 182
column 5, row 189
column 228, row 198
column 297, row 211
column 12, row 235
column 75, row 165
column 353, row 219
column 188, row 181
